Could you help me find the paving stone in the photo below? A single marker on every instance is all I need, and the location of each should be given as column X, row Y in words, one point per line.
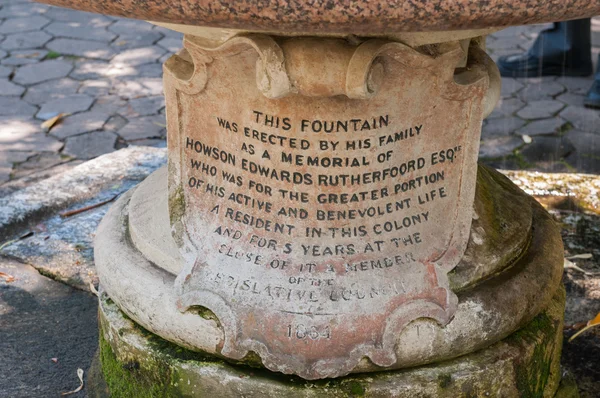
column 167, row 32
column 576, row 85
column 115, row 123
column 153, row 69
column 11, row 106
column 143, row 127
column 83, row 122
column 10, row 89
column 87, row 69
column 586, row 157
column 584, row 119
column 50, row 90
column 88, row 18
column 130, row 26
column 138, row 56
column 506, row 107
column 139, row 87
column 571, row 99
column 81, row 48
column 40, row 72
column 23, row 10
column 90, row 145
column 501, row 126
column 79, row 30
column 513, row 32
column 541, row 127
column 110, row 104
column 129, row 41
column 540, row 109
column 24, row 57
column 510, row 87
column 69, row 104
column 153, row 142
column 171, row 44
column 547, row 149
column 26, row 24
column 25, row 134
column 499, row 147
column 95, row 88
column 145, row 106
column 539, row 91
column 37, row 162
column 21, row 41
column 5, row 71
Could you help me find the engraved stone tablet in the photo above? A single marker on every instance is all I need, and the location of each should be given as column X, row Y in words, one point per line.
column 320, row 191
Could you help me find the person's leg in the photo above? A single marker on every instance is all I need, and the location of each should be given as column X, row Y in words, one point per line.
column 592, row 100
column 563, row 50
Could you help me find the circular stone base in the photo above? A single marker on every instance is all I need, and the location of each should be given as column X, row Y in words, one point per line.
column 137, row 363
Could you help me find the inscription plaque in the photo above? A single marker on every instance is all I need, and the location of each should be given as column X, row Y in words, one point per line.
column 320, row 191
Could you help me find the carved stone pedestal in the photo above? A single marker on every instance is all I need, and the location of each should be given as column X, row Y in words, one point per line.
column 323, row 214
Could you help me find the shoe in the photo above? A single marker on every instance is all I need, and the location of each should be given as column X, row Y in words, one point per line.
column 563, row 50
column 592, row 99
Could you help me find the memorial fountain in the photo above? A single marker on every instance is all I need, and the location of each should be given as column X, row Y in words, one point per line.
column 322, row 228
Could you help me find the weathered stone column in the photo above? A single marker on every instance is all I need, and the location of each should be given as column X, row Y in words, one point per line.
column 323, row 214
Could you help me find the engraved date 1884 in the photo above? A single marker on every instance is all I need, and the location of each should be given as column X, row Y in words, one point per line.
column 302, row 332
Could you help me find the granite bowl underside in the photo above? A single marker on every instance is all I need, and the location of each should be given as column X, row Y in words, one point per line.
column 359, row 17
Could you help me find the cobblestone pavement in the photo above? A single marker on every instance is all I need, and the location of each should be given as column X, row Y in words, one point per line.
column 105, row 72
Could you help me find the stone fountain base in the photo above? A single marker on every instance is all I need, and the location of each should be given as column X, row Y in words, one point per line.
column 137, row 363
column 504, row 340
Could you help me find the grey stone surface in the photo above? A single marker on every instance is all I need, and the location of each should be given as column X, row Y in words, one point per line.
column 21, row 41
column 541, row 127
column 45, row 70
column 25, row 9
column 26, row 24
column 506, row 107
column 584, row 119
column 80, row 123
column 69, row 104
column 49, row 330
column 11, row 106
column 138, row 56
column 81, row 48
column 135, row 40
column 587, row 146
column 538, row 89
column 83, row 183
column 128, row 26
column 171, row 44
column 510, row 87
column 79, row 30
column 143, row 127
column 23, row 134
column 67, row 15
column 10, row 89
column 500, row 127
column 138, row 87
column 499, row 147
column 24, row 57
column 90, row 145
column 547, row 149
column 51, row 90
column 146, row 106
column 540, row 109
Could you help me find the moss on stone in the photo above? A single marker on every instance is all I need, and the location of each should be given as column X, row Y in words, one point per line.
column 444, row 380
column 533, row 375
column 127, row 380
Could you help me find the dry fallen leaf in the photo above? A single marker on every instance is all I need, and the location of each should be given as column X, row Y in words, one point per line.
column 584, row 256
column 93, row 289
column 527, row 139
column 571, row 265
column 590, row 324
column 80, row 375
column 55, row 360
column 48, row 124
column 7, row 278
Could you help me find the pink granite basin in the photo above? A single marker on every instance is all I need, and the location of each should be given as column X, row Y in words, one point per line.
column 366, row 17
